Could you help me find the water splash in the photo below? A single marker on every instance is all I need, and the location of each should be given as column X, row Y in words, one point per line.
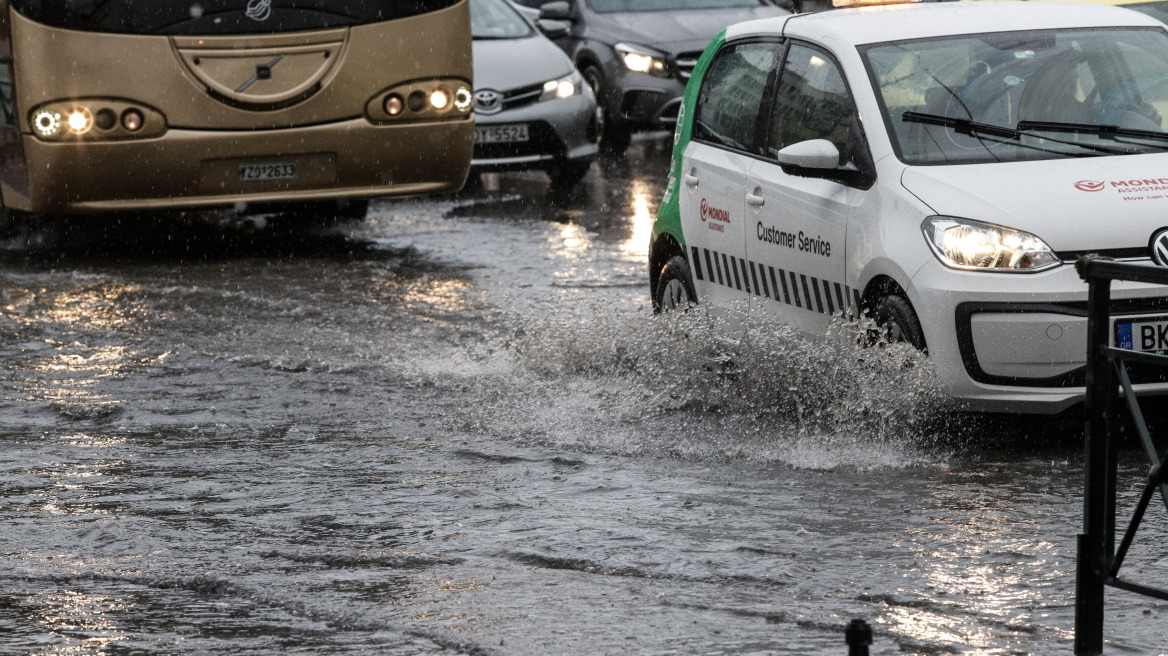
column 684, row 384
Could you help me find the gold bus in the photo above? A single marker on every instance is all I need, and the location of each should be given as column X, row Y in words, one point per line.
column 156, row 104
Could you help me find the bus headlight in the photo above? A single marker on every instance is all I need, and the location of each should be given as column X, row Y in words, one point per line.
column 977, row 246
column 564, row 87
column 47, row 123
column 80, row 120
column 92, row 119
column 440, row 98
column 422, row 100
column 463, row 99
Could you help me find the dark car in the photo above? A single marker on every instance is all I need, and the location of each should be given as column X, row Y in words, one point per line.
column 637, row 54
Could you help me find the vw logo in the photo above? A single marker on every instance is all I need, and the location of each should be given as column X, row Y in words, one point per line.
column 1160, row 247
column 488, row 101
column 259, row 10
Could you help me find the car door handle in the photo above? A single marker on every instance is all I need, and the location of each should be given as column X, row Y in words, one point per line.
column 754, row 200
column 691, row 180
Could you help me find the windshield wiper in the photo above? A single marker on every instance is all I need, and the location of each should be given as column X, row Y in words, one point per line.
column 974, row 129
column 1105, row 131
column 961, row 125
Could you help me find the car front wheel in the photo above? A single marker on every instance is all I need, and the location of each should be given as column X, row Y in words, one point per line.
column 897, row 321
column 675, row 288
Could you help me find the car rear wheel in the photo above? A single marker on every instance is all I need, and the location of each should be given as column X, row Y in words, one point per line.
column 675, row 288
column 897, row 322
column 614, row 137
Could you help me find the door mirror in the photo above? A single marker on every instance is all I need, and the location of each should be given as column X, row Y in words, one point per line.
column 810, row 154
column 553, row 29
column 558, row 11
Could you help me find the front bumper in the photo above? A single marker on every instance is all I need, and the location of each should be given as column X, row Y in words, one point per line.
column 1018, row 342
column 560, row 130
column 643, row 101
column 197, row 168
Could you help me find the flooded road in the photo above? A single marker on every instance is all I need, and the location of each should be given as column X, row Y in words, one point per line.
column 459, row 428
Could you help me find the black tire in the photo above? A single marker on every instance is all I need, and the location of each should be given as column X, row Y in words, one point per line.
column 675, row 288
column 569, row 174
column 614, row 137
column 352, row 209
column 898, row 322
column 331, row 211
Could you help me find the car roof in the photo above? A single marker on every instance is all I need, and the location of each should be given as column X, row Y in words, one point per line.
column 923, row 20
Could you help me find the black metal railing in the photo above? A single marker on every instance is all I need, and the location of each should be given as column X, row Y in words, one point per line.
column 1108, row 382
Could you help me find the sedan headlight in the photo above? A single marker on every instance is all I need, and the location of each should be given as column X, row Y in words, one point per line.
column 977, row 246
column 642, row 60
column 564, row 87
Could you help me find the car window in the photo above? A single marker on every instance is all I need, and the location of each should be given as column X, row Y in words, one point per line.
column 812, row 102
column 495, row 19
column 1089, row 77
column 727, row 109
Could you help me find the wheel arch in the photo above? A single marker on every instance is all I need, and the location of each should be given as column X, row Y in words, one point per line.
column 663, row 247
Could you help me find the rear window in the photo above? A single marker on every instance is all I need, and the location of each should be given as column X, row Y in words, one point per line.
column 212, row 17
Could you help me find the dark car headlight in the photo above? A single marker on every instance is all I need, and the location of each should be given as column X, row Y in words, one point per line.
column 641, row 59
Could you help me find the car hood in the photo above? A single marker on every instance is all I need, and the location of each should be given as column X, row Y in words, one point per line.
column 1074, row 205
column 505, row 64
column 672, row 31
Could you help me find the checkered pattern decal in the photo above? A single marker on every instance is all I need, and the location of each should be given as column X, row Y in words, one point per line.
column 802, row 291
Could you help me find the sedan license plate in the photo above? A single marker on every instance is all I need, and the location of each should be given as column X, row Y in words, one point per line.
column 268, row 171
column 501, row 133
column 1144, row 334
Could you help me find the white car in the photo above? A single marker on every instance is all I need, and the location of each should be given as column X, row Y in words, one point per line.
column 938, row 166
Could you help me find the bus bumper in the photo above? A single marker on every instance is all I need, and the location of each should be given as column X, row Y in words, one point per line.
column 201, row 168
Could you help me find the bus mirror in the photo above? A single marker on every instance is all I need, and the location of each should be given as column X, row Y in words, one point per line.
column 557, row 11
column 553, row 29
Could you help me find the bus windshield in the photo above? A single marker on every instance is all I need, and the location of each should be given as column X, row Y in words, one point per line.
column 211, row 17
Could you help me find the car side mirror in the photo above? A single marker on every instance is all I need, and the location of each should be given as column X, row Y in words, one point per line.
column 558, row 11
column 810, row 154
column 553, row 29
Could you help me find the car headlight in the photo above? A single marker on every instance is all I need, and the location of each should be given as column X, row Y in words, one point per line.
column 977, row 246
column 564, row 87
column 642, row 60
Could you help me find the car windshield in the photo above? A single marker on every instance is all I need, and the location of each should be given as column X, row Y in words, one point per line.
column 1157, row 10
column 1011, row 96
column 495, row 19
column 612, row 6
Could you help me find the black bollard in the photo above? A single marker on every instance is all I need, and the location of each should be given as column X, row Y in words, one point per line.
column 858, row 636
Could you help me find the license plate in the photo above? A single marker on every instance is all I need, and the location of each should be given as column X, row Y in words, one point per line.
column 268, row 171
column 1146, row 335
column 501, row 133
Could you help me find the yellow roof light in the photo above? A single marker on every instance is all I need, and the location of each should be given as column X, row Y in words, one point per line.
column 843, row 4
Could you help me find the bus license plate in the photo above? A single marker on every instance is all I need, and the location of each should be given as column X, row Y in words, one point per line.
column 269, row 171
column 501, row 133
column 1146, row 335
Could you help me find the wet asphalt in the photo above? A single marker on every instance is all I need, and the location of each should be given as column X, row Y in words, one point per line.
column 458, row 428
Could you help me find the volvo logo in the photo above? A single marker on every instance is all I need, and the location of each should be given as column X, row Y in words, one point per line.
column 259, row 10
column 1160, row 247
column 488, row 101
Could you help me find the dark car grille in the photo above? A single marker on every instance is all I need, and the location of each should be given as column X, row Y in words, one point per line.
column 541, row 140
column 685, row 62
